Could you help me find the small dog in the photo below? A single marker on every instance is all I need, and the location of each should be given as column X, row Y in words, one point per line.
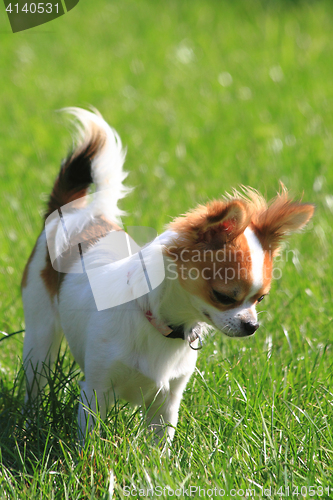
column 134, row 322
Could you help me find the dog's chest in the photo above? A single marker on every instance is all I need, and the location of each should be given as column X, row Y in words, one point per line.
column 135, row 387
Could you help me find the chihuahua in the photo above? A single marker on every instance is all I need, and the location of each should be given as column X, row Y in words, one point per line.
column 134, row 315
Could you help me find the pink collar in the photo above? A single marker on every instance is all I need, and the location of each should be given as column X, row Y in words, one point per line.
column 163, row 329
column 166, row 331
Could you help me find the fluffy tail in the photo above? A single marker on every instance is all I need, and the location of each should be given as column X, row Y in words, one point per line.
column 98, row 158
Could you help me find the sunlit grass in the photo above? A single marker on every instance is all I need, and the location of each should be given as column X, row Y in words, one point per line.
column 206, row 96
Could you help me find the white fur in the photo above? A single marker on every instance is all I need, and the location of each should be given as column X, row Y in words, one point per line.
column 257, row 261
column 107, row 167
column 42, row 326
column 120, row 352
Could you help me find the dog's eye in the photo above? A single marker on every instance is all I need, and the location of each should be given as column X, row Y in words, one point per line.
column 261, row 298
column 223, row 299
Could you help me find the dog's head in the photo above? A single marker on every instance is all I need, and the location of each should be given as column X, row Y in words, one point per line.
column 224, row 254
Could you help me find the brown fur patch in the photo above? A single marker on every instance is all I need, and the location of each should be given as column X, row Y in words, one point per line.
column 213, row 224
column 226, row 270
column 26, row 269
column 275, row 220
column 218, row 227
column 52, row 278
column 71, row 185
column 75, row 177
column 91, row 234
column 282, row 217
column 267, row 275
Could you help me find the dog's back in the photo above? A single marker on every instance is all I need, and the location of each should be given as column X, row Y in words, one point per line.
column 97, row 158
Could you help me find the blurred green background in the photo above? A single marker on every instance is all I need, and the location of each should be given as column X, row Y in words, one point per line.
column 206, row 95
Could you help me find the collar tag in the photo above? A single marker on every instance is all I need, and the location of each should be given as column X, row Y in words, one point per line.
column 195, row 335
column 166, row 331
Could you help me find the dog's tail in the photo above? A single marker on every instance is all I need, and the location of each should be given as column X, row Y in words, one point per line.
column 98, row 158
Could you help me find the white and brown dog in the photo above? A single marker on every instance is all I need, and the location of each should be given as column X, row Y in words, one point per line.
column 132, row 324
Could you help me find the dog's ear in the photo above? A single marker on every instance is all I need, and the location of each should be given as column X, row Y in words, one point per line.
column 280, row 219
column 223, row 222
column 212, row 225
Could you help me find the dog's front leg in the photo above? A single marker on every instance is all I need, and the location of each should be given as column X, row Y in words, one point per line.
column 91, row 402
column 162, row 414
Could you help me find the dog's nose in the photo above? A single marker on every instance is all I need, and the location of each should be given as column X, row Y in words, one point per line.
column 249, row 328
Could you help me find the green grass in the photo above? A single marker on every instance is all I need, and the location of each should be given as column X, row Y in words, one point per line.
column 257, row 412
